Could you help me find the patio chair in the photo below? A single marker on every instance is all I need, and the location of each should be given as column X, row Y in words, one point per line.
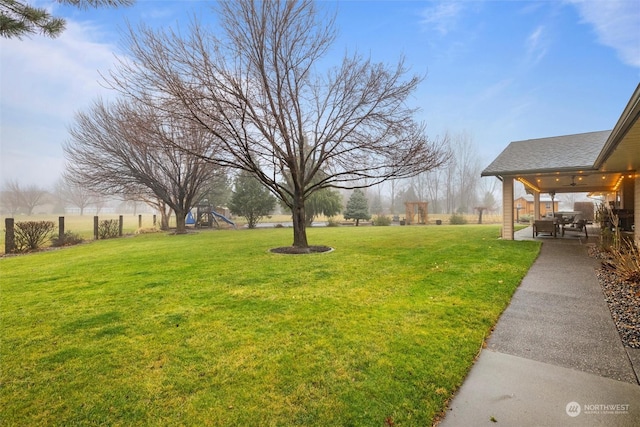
column 545, row 226
column 577, row 227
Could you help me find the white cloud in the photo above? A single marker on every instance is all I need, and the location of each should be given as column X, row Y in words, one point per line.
column 44, row 82
column 443, row 16
column 537, row 45
column 617, row 25
column 52, row 76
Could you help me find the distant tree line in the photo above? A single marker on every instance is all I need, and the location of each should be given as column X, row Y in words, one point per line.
column 454, row 188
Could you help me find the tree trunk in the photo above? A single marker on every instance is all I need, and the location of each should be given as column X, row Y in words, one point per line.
column 164, row 220
column 181, row 227
column 299, row 223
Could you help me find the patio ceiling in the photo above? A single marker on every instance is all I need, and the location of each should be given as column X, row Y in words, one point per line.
column 579, row 181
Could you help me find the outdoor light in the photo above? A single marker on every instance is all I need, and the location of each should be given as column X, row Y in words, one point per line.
column 528, row 184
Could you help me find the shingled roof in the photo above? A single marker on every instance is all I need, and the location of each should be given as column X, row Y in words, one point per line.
column 569, row 152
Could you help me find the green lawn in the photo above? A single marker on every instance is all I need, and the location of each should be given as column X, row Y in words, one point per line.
column 212, row 329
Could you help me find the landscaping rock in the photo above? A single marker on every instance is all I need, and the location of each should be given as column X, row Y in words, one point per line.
column 623, row 298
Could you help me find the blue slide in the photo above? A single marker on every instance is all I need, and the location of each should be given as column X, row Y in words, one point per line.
column 224, row 218
column 190, row 220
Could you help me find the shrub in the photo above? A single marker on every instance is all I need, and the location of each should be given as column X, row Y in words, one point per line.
column 525, row 218
column 381, row 220
column 30, row 235
column 626, row 262
column 108, row 228
column 457, row 219
column 332, row 222
column 68, row 239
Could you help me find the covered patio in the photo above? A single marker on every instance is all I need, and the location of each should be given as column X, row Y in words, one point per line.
column 605, row 163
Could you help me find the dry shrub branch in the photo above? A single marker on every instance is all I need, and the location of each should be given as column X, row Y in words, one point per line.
column 30, row 235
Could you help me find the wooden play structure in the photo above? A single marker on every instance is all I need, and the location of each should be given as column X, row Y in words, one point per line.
column 416, row 213
column 207, row 216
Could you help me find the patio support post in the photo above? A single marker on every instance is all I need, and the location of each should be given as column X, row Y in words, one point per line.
column 536, row 205
column 507, row 208
column 636, row 209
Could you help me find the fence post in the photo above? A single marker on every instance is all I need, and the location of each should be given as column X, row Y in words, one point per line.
column 95, row 227
column 10, row 236
column 61, row 230
column 139, row 221
column 120, row 222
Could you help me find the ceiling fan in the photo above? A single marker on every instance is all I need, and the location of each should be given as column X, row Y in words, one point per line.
column 573, row 181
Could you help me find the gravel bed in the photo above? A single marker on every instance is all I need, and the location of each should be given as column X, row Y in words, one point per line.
column 623, row 299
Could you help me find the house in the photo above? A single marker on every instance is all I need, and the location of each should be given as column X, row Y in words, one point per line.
column 604, row 162
column 525, row 206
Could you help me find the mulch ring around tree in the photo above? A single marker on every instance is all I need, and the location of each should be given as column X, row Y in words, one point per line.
column 294, row 250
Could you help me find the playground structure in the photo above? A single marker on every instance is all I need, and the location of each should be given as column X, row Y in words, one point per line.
column 207, row 216
column 416, row 209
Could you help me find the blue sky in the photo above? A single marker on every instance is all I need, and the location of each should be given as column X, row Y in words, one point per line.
column 498, row 71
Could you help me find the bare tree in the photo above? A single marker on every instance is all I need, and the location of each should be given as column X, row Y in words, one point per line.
column 129, row 148
column 396, row 186
column 77, row 195
column 164, row 209
column 33, row 196
column 450, row 188
column 488, row 190
column 467, row 171
column 11, row 197
column 16, row 197
column 435, row 184
column 433, row 188
column 256, row 88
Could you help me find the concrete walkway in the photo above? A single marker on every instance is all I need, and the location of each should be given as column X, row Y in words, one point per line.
column 555, row 357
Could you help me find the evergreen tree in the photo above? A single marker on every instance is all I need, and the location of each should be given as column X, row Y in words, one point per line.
column 357, row 207
column 250, row 199
column 17, row 18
